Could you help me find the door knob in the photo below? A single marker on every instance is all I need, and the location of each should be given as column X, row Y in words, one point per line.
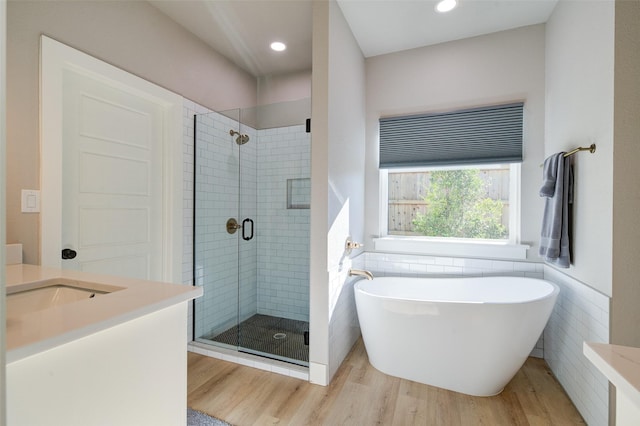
column 68, row 253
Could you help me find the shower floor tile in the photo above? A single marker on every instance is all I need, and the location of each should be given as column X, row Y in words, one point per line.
column 282, row 337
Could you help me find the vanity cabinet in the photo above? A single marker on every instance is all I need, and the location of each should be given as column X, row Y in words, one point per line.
column 113, row 359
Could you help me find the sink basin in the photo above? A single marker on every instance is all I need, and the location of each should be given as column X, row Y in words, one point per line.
column 51, row 293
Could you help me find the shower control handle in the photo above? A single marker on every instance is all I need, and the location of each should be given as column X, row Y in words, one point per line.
column 233, row 226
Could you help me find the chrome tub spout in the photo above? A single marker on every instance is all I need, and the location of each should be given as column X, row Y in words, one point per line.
column 360, row 272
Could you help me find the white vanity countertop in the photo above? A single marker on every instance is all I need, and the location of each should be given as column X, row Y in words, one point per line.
column 619, row 364
column 39, row 331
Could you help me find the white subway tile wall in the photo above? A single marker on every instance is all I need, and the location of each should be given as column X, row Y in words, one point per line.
column 273, row 268
column 224, row 264
column 344, row 328
column 283, row 233
column 384, row 264
column 248, row 257
column 580, row 314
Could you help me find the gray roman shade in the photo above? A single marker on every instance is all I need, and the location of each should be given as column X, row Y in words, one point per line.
column 472, row 136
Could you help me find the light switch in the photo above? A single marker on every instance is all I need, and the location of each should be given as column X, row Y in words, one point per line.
column 30, row 201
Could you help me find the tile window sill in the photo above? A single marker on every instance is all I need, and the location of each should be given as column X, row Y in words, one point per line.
column 453, row 248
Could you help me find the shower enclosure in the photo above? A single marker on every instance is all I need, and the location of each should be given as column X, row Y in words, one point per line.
column 251, row 230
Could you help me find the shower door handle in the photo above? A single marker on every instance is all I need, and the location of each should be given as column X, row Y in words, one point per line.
column 244, row 229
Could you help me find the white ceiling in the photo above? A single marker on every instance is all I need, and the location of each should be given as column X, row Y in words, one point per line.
column 242, row 30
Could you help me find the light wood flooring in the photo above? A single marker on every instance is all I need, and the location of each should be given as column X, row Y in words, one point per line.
column 361, row 395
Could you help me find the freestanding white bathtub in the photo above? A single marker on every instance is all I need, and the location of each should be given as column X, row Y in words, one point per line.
column 469, row 335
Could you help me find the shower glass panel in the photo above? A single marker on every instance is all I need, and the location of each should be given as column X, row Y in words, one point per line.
column 251, row 230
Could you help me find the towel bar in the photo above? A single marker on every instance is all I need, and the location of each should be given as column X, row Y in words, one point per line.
column 591, row 148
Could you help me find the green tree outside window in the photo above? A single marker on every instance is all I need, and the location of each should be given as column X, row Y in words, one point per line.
column 457, row 206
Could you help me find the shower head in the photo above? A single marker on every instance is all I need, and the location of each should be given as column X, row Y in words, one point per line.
column 241, row 139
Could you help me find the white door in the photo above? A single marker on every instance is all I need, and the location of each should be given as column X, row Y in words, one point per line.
column 111, row 179
column 111, row 169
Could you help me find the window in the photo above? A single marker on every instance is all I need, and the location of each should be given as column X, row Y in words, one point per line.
column 464, row 202
column 452, row 177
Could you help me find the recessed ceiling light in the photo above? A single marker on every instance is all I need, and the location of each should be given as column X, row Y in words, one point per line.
column 278, row 46
column 446, row 5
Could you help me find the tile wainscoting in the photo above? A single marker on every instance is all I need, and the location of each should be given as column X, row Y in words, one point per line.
column 580, row 314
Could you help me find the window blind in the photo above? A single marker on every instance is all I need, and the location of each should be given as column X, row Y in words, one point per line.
column 472, row 136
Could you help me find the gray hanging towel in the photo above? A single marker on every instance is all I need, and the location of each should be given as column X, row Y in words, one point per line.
column 554, row 238
column 549, row 176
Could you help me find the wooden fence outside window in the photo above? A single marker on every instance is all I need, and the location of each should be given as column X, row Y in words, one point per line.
column 408, row 189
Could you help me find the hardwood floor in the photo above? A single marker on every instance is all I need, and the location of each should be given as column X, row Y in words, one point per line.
column 361, row 395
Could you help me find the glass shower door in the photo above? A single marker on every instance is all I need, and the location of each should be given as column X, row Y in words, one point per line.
column 248, row 238
column 251, row 231
column 216, row 202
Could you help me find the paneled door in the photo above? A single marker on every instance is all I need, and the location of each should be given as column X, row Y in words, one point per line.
column 112, row 180
column 112, row 169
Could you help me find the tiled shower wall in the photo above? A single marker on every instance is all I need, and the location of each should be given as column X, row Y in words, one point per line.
column 217, row 263
column 281, row 245
column 283, row 225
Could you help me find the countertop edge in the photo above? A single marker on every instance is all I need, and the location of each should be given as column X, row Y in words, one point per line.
column 140, row 300
column 616, row 367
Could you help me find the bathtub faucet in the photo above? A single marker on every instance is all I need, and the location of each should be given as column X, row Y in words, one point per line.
column 360, row 272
